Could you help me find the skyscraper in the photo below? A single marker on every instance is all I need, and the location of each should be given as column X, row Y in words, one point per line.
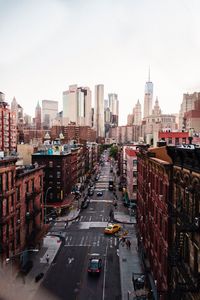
column 99, row 110
column 148, row 97
column 186, row 105
column 49, row 112
column 114, row 108
column 77, row 106
column 38, row 121
column 137, row 114
column 8, row 132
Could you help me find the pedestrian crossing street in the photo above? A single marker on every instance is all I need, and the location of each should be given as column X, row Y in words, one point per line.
column 89, row 240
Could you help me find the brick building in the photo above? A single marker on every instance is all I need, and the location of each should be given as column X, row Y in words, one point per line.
column 73, row 132
column 21, row 199
column 154, row 194
column 58, row 174
column 185, row 219
column 174, row 137
column 131, row 159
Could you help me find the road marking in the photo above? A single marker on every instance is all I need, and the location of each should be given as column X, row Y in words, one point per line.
column 104, row 275
column 101, row 200
column 70, row 260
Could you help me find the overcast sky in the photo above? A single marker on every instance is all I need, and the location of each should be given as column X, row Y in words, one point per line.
column 46, row 45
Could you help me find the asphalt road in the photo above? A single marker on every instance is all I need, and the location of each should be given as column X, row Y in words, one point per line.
column 67, row 277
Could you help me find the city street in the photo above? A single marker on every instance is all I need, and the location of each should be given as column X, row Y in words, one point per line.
column 67, row 277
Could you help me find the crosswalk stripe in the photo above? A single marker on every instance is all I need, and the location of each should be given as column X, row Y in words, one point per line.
column 86, row 241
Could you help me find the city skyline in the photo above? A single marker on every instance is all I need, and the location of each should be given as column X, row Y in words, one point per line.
column 109, row 42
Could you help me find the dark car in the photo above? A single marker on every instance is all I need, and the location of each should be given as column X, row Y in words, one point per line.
column 39, row 276
column 85, row 204
column 99, row 193
column 94, row 265
column 140, row 282
column 120, row 188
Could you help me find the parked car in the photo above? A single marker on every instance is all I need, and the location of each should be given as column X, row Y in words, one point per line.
column 95, row 264
column 112, row 228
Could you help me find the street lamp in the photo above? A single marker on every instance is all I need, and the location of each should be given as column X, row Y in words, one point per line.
column 45, row 204
column 22, row 252
column 10, row 259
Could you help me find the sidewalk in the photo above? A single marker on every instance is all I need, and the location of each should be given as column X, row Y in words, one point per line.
column 25, row 287
column 129, row 259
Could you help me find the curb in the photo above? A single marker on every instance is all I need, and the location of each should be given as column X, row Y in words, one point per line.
column 124, row 222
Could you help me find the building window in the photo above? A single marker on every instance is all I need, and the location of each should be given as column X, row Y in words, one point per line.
column 26, row 183
column 1, row 183
column 176, row 141
column 135, row 174
column 7, row 206
column 160, row 223
column 32, row 184
column 7, row 181
column 161, row 187
column 40, row 180
column 134, row 164
column 50, row 164
column 18, row 237
column 12, row 179
column 12, row 200
column 58, row 174
column 18, row 193
column 134, row 188
column 7, row 231
column 169, row 140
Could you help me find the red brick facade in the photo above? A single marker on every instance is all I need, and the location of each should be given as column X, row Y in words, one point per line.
column 154, row 193
column 21, row 200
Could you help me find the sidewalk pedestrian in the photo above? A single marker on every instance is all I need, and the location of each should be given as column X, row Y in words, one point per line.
column 128, row 244
column 123, row 241
column 66, row 224
column 47, row 258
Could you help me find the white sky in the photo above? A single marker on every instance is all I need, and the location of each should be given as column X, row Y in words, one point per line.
column 46, row 45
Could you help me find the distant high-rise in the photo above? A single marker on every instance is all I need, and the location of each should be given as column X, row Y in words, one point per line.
column 18, row 110
column 148, row 98
column 114, row 108
column 137, row 114
column 77, row 106
column 187, row 104
column 8, row 132
column 156, row 110
column 49, row 112
column 99, row 110
column 38, row 120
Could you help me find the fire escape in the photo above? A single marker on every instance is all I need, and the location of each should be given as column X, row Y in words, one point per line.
column 185, row 225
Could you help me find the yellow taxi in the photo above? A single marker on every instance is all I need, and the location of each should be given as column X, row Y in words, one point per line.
column 112, row 228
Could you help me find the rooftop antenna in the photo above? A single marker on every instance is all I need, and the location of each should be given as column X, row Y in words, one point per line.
column 149, row 74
